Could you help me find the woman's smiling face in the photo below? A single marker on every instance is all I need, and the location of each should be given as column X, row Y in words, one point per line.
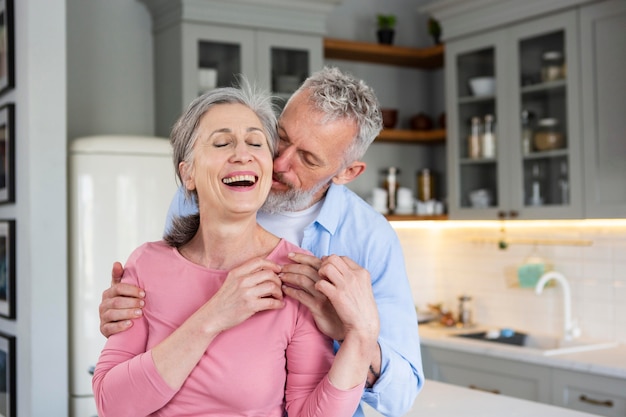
column 232, row 161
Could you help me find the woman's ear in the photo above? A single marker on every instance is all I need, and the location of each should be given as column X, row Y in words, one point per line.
column 186, row 173
column 350, row 172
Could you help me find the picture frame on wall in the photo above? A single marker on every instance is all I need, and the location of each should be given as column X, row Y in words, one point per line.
column 8, row 396
column 7, row 269
column 7, row 153
column 7, row 46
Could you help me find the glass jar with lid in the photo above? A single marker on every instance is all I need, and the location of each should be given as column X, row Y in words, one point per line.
column 552, row 66
column 548, row 135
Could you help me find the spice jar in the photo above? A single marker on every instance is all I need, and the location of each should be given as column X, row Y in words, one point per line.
column 548, row 135
column 552, row 67
column 473, row 140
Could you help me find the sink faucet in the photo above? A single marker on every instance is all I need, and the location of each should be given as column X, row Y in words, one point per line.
column 570, row 327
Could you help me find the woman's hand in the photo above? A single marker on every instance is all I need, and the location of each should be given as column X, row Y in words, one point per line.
column 249, row 288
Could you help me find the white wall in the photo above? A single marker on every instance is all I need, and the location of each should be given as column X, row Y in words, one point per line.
column 109, row 68
column 40, row 208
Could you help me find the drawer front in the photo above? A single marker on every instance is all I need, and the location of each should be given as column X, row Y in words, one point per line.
column 495, row 375
column 590, row 393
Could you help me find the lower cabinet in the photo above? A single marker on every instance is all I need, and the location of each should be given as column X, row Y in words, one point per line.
column 586, row 392
column 589, row 393
column 485, row 373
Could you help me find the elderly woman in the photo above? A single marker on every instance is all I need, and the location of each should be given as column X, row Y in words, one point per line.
column 217, row 336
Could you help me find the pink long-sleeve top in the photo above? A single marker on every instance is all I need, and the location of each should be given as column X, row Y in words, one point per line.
column 276, row 360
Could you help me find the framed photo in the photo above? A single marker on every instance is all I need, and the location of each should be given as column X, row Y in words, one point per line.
column 7, row 153
column 7, row 269
column 7, row 46
column 7, row 376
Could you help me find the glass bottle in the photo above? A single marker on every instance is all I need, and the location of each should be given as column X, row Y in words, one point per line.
column 473, row 140
column 535, row 197
column 391, row 185
column 527, row 132
column 488, row 139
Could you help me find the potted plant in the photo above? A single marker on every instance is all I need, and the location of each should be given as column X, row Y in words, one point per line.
column 434, row 29
column 386, row 28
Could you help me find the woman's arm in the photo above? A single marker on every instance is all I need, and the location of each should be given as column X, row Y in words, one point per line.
column 250, row 288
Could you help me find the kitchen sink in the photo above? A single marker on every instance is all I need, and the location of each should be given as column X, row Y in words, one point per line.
column 546, row 345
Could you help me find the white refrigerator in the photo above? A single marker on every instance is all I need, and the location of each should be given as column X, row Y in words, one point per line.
column 120, row 188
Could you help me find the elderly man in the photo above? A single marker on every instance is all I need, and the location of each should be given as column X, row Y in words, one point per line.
column 324, row 130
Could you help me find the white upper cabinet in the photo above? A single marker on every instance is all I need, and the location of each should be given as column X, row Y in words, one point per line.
column 203, row 44
column 559, row 61
column 529, row 171
column 603, row 59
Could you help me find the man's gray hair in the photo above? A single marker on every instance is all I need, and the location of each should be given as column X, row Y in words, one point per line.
column 185, row 134
column 339, row 96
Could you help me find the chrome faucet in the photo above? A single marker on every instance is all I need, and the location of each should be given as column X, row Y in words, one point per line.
column 570, row 326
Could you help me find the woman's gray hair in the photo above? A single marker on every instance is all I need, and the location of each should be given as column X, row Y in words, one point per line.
column 185, row 134
column 339, row 96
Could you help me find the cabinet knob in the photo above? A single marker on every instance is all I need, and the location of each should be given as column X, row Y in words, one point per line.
column 502, row 215
column 513, row 214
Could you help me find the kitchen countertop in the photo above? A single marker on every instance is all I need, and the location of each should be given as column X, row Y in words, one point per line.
column 438, row 399
column 609, row 362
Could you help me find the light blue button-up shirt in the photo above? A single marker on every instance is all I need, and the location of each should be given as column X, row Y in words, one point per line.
column 348, row 226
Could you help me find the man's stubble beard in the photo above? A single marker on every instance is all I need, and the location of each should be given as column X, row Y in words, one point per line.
column 292, row 199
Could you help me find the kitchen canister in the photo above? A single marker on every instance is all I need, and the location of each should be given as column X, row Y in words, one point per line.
column 425, row 185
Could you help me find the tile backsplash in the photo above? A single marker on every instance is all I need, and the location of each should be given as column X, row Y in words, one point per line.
column 447, row 259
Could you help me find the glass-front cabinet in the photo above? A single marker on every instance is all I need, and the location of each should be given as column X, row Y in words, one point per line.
column 514, row 129
column 201, row 47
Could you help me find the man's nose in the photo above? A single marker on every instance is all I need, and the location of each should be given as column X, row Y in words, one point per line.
column 282, row 162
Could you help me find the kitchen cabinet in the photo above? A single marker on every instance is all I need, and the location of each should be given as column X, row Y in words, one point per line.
column 428, row 58
column 589, row 393
column 582, row 391
column 603, row 58
column 275, row 46
column 494, row 375
column 515, row 182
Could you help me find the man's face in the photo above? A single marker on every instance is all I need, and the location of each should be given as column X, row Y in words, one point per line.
column 310, row 155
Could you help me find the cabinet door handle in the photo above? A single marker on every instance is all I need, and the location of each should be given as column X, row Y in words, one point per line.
column 592, row 401
column 492, row 391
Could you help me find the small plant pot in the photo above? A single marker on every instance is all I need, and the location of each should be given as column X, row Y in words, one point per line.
column 385, row 36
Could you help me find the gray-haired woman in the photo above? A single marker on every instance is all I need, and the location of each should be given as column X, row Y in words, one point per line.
column 217, row 336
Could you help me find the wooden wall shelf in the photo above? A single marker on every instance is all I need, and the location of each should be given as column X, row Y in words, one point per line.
column 412, row 136
column 425, row 58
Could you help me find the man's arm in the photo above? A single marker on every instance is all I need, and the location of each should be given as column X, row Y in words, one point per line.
column 120, row 304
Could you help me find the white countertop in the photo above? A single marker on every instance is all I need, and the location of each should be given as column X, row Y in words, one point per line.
column 444, row 400
column 606, row 362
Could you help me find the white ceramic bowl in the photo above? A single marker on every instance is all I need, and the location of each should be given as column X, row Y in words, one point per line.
column 483, row 86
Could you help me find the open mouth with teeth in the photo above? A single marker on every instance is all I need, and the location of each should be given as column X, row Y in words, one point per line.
column 240, row 180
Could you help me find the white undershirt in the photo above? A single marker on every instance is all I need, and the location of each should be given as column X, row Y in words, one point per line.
column 290, row 225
